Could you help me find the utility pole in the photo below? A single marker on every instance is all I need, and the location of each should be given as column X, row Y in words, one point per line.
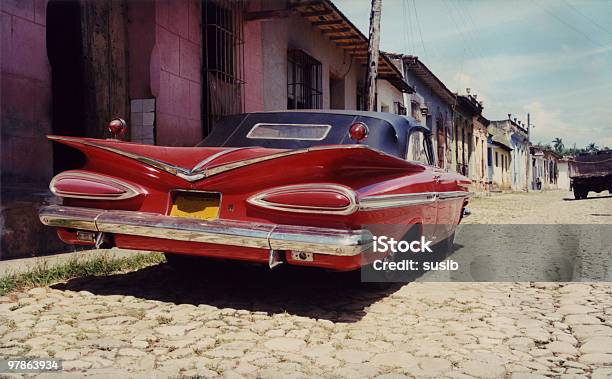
column 373, row 44
column 528, row 151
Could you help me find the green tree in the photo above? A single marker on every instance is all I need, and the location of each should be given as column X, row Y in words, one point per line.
column 558, row 144
column 592, row 148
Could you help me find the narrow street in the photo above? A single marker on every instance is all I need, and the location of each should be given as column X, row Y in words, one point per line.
column 240, row 321
column 547, row 207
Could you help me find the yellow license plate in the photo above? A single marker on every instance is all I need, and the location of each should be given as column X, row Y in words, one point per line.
column 204, row 206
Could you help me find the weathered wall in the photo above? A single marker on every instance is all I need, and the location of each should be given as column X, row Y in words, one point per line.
column 175, row 72
column 519, row 166
column 26, row 93
column 296, row 33
column 25, row 119
column 163, row 61
column 501, row 178
column 141, row 40
column 254, row 66
column 461, row 152
column 439, row 110
column 387, row 95
column 478, row 163
column 563, row 182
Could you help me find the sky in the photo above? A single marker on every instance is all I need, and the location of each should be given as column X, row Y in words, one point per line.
column 549, row 58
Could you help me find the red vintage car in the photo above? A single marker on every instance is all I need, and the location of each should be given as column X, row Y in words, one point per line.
column 306, row 188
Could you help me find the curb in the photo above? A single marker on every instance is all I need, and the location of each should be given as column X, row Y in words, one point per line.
column 17, row 266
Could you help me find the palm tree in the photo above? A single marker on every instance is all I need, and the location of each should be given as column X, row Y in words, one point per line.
column 558, row 144
column 592, row 148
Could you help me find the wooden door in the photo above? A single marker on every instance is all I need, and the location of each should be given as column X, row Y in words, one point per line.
column 105, row 71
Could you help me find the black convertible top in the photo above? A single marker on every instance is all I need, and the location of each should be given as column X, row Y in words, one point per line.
column 388, row 131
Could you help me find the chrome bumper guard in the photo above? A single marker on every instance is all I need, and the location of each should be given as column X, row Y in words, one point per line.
column 340, row 242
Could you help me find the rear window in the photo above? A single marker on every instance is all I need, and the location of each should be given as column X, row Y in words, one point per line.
column 306, row 132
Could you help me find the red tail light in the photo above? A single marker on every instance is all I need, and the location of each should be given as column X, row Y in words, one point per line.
column 87, row 185
column 308, row 198
column 358, row 131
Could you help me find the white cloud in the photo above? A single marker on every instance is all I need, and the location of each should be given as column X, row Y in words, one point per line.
column 552, row 122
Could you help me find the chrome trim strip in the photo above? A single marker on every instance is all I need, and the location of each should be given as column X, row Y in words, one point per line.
column 167, row 167
column 249, row 136
column 259, row 199
column 217, row 155
column 394, row 201
column 403, row 200
column 234, row 165
column 234, row 233
column 184, row 229
column 130, row 191
column 321, row 240
column 453, row 195
column 69, row 217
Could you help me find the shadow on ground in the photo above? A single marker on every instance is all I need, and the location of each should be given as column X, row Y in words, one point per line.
column 588, row 198
column 338, row 297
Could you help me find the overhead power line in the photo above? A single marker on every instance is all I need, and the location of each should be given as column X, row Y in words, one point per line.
column 576, row 10
column 416, row 15
column 570, row 26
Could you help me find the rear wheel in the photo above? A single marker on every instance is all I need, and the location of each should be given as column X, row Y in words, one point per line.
column 447, row 246
column 579, row 193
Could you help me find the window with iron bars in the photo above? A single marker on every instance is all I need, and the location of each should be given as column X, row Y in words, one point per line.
column 304, row 81
column 399, row 108
column 222, row 60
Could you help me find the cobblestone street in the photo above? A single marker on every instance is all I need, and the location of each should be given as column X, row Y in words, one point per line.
column 236, row 321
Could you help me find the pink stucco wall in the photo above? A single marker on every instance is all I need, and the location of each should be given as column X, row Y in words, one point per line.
column 253, row 71
column 25, row 103
column 175, row 72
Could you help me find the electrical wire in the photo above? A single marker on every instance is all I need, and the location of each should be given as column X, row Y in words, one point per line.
column 576, row 10
column 570, row 26
column 418, row 23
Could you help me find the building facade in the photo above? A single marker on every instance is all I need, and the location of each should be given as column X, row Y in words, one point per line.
column 431, row 104
column 468, row 136
column 479, row 163
column 499, row 157
column 563, row 180
column 312, row 57
column 545, row 170
column 519, row 156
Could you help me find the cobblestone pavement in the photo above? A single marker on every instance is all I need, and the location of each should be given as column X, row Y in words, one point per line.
column 547, row 207
column 229, row 320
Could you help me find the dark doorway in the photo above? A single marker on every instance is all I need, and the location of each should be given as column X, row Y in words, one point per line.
column 64, row 49
column 336, row 92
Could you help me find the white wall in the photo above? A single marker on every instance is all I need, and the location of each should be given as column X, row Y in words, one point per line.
column 563, row 181
column 294, row 32
column 387, row 95
column 501, row 176
column 519, row 167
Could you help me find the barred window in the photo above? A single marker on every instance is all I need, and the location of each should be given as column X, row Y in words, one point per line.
column 400, row 108
column 304, row 81
column 222, row 59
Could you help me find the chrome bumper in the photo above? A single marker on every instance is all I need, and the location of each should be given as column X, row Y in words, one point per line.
column 328, row 241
